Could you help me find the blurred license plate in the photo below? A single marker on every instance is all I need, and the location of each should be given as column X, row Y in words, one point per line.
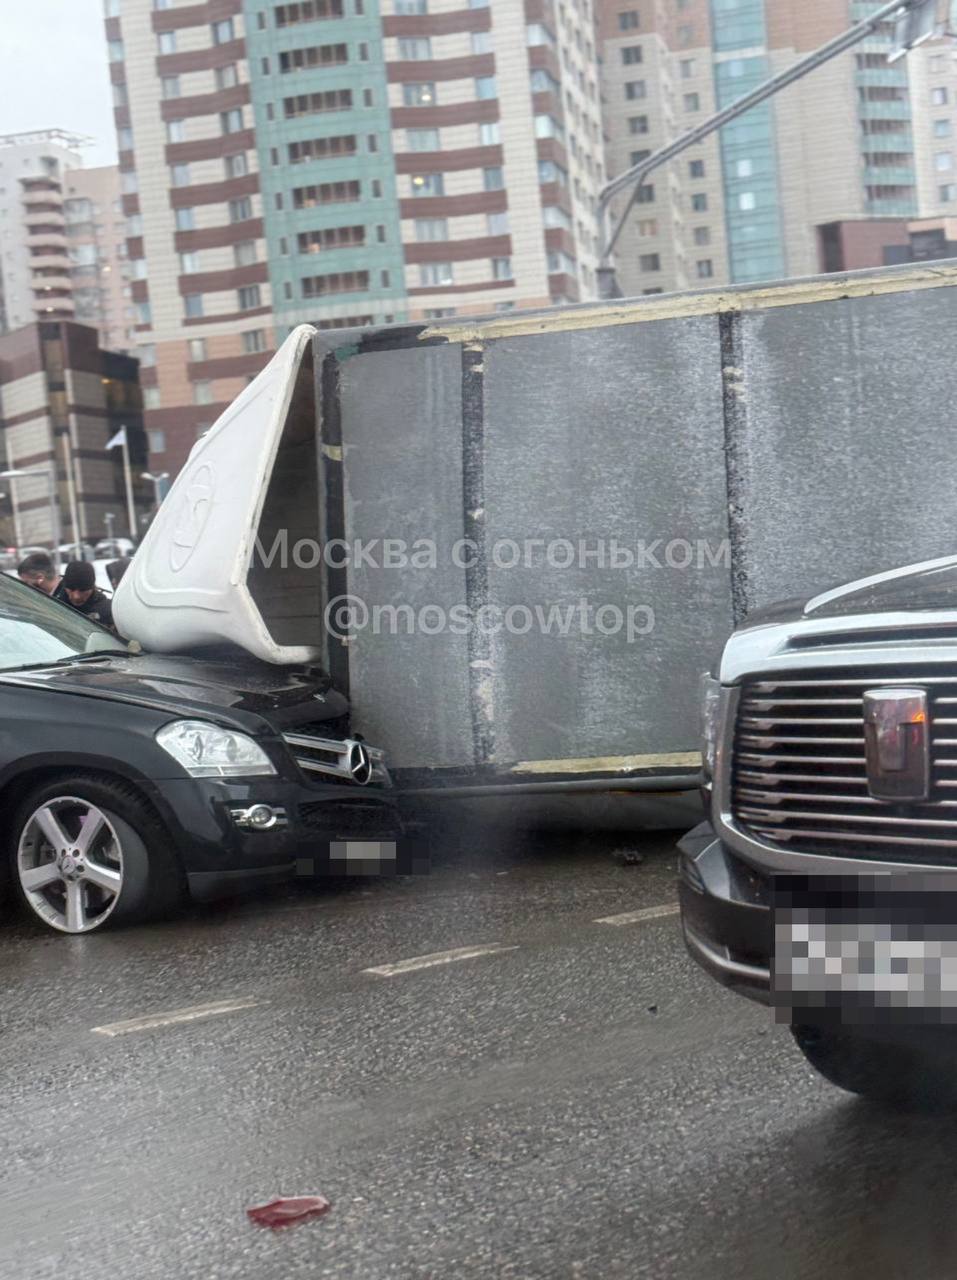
column 848, row 958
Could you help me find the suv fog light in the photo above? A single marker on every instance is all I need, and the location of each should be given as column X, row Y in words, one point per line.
column 259, row 817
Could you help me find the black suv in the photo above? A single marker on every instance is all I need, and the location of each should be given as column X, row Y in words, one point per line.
column 826, row 880
column 128, row 779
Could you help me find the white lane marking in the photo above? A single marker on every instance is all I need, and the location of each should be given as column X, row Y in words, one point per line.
column 191, row 1014
column 437, row 958
column 646, row 913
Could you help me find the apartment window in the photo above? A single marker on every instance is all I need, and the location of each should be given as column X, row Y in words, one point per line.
column 175, row 131
column 543, row 81
column 418, row 95
column 479, row 4
column 227, row 77
column 635, row 89
column 493, row 178
column 326, row 193
column 202, row 391
column 490, row 134
column 685, row 35
column 236, row 166
column 223, row 31
column 410, row 7
column 188, row 263
column 151, row 398
column 649, row 262
column 179, row 175
column 318, row 148
column 632, row 54
column 646, row 193
column 702, row 235
column 647, row 227
column 128, row 182
column 553, row 216
column 330, row 238
column 549, row 171
column 167, row 41
column 197, row 350
column 124, row 139
column 431, row 228
column 637, row 124
column 415, row 48
column 696, row 168
column 501, row 268
column 338, row 282
column 629, row 20
column 486, row 87
column 948, row 193
column 240, row 210
column 638, row 156
column 156, row 439
column 705, row 268
column 428, row 184
column 307, row 11
column 144, row 314
column 254, row 340
column 441, row 313
column 248, row 297
column 687, row 68
column 111, row 9
column 747, row 200
column 699, row 202
column 435, row 273
column 169, row 86
column 548, row 127
column 377, row 188
column 943, row 161
column 231, row 121
column 312, row 104
column 193, row 305
column 185, row 220
column 745, row 168
column 422, row 139
column 939, row 97
column 481, row 42
column 942, row 129
column 692, row 101
column 244, row 253
column 320, row 55
column 536, row 34
column 114, row 49
column 496, row 224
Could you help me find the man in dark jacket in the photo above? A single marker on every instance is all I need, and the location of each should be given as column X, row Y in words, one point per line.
column 81, row 591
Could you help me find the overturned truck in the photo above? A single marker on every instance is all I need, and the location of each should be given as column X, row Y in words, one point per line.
column 514, row 543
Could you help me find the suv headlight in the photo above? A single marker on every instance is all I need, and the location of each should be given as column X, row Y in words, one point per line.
column 710, row 709
column 206, row 751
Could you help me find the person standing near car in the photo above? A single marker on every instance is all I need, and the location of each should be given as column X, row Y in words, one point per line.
column 81, row 591
column 38, row 570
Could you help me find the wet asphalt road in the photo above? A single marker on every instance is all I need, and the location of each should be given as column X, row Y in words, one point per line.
column 586, row 1104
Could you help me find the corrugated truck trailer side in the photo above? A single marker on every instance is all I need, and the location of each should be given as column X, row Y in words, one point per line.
column 515, row 542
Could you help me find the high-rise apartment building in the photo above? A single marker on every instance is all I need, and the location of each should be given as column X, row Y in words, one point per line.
column 343, row 162
column 857, row 138
column 96, row 244
column 62, row 240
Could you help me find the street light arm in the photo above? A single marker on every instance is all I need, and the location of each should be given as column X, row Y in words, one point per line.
column 635, row 176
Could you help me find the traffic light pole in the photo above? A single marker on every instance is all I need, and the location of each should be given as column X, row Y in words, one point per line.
column 634, row 178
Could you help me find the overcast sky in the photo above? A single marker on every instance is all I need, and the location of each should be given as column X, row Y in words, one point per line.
column 53, row 71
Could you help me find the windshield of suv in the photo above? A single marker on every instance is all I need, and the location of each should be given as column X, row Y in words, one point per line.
column 35, row 630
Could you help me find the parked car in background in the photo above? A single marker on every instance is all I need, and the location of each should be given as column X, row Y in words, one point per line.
column 9, row 557
column 128, row 781
column 113, row 549
column 76, row 551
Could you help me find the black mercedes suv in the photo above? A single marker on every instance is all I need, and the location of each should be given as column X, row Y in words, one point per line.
column 826, row 880
column 129, row 780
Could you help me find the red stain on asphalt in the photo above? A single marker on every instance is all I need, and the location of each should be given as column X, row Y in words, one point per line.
column 287, row 1211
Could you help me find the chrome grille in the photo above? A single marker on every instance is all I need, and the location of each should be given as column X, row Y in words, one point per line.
column 333, row 759
column 799, row 777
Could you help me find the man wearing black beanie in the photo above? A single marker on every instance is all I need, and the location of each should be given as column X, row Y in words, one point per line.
column 80, row 589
